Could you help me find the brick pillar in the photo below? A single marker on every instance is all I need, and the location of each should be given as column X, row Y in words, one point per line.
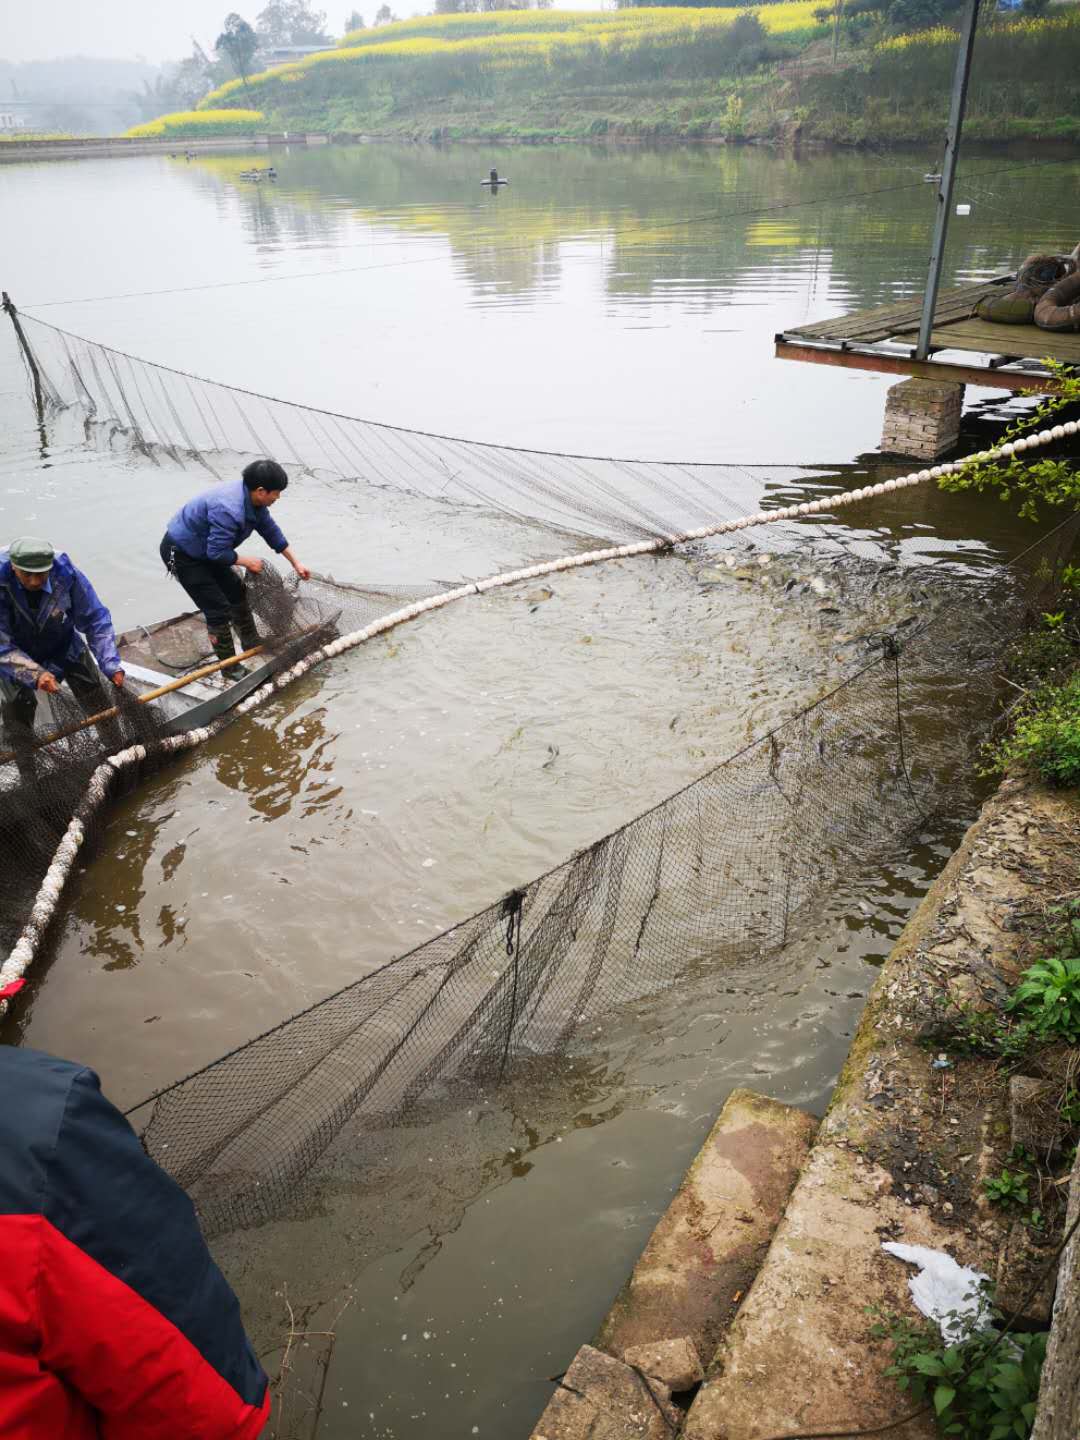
column 922, row 418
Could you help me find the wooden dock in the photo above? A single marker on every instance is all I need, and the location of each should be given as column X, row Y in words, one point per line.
column 1010, row 357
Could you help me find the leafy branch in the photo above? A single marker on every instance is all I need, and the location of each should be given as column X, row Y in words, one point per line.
column 1049, row 481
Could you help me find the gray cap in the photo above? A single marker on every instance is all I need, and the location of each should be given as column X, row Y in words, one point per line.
column 32, row 555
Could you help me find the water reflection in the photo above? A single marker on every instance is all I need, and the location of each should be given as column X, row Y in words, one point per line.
column 853, row 230
column 276, row 759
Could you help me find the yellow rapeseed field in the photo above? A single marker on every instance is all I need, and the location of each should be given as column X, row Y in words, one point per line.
column 1020, row 29
column 525, row 36
column 195, row 122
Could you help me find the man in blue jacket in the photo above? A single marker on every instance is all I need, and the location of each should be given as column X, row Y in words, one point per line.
column 200, row 549
column 47, row 606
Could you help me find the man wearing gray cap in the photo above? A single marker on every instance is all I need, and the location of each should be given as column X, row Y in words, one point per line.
column 47, row 607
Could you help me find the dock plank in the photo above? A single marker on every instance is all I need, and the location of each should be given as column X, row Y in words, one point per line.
column 1020, row 341
column 884, row 321
column 956, row 327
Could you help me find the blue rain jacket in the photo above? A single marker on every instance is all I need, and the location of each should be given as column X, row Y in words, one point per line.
column 48, row 639
column 211, row 526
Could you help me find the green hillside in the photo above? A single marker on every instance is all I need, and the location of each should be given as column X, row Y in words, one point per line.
column 721, row 74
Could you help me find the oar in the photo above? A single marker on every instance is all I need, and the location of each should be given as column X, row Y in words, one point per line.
column 177, row 684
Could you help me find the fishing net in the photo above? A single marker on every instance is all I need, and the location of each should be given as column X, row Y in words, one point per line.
column 174, row 418
column 714, row 875
column 46, row 770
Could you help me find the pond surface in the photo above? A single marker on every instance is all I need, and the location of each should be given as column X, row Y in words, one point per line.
column 610, row 302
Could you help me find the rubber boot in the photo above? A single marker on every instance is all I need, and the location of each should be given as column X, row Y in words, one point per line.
column 244, row 624
column 223, row 648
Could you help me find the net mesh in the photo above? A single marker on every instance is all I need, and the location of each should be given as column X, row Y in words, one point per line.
column 182, row 419
column 715, row 874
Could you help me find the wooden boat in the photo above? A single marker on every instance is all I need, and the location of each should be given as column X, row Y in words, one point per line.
column 154, row 656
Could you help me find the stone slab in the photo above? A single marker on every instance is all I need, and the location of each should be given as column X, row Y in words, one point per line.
column 707, row 1246
column 1019, row 1262
column 1033, row 1122
column 600, row 1398
column 675, row 1362
column 799, row 1355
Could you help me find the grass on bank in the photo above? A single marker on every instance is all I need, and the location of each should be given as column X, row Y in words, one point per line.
column 985, row 1386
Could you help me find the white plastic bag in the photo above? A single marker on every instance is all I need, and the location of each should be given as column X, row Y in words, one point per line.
column 942, row 1287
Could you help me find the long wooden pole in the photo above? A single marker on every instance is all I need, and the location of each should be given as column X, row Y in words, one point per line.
column 177, row 684
column 8, row 306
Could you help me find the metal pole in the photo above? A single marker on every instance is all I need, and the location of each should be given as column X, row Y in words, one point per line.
column 948, row 175
column 9, row 309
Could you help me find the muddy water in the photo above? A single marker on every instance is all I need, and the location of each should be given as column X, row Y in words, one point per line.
column 407, row 785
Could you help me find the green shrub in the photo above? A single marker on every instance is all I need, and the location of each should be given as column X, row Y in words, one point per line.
column 1046, row 734
column 1009, row 1189
column 1049, row 994
column 983, row 1388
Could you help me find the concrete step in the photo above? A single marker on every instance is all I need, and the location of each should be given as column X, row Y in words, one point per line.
column 692, row 1275
column 902, row 1154
column 798, row 1354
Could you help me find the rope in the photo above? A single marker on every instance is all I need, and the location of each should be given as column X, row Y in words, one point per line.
column 891, row 647
column 26, row 947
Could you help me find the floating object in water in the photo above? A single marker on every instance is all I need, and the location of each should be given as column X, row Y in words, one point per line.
column 932, row 179
column 963, row 209
column 268, row 173
column 493, row 180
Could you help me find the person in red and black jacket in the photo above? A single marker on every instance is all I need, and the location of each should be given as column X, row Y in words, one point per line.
column 115, row 1323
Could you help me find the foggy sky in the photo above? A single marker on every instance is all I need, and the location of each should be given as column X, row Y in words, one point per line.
column 155, row 30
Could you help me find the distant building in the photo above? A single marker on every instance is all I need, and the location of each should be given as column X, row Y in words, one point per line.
column 9, row 122
column 283, row 54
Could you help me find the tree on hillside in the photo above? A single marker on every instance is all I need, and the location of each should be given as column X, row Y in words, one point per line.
column 868, row 21
column 180, row 86
column 291, row 22
column 238, row 44
column 355, row 21
column 384, row 15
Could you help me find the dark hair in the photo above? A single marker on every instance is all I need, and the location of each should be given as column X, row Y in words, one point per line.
column 265, row 475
